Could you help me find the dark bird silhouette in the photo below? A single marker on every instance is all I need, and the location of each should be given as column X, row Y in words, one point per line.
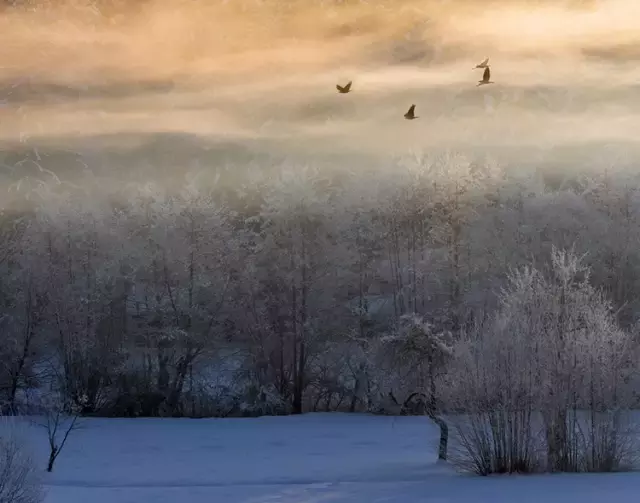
column 411, row 114
column 344, row 89
column 486, row 77
column 484, row 64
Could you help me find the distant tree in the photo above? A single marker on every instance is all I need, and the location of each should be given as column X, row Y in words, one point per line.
column 185, row 262
column 294, row 260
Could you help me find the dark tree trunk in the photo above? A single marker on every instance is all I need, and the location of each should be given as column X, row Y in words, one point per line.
column 444, row 437
column 52, row 458
column 432, row 411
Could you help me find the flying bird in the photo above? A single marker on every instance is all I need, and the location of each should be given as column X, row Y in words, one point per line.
column 484, row 64
column 486, row 77
column 343, row 89
column 410, row 115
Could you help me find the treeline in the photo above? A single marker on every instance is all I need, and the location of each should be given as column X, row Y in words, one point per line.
column 300, row 290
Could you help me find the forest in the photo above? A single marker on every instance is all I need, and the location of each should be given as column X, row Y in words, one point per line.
column 301, row 290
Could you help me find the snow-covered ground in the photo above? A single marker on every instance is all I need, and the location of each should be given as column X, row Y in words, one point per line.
column 306, row 459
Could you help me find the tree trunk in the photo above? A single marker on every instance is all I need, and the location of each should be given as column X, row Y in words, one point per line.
column 432, row 411
column 299, row 384
column 354, row 401
column 17, row 371
column 557, row 441
column 444, row 437
column 52, row 458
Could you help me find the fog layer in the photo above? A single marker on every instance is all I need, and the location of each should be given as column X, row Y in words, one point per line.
column 258, row 78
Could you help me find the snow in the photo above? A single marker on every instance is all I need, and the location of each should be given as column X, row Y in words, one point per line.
column 312, row 458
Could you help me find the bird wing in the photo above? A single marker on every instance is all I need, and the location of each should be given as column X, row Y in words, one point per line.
column 339, row 87
column 484, row 62
column 412, row 109
column 348, row 86
column 487, row 74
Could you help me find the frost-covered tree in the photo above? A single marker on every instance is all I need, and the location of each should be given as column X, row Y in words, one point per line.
column 270, row 290
column 83, row 275
column 22, row 297
column 421, row 352
column 184, row 264
column 555, row 357
column 292, row 277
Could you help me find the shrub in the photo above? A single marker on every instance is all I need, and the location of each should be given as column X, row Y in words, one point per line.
column 19, row 479
column 546, row 385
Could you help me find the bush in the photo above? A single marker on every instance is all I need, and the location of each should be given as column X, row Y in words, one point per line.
column 19, row 479
column 546, row 384
column 496, row 441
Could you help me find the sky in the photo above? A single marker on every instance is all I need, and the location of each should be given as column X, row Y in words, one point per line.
column 124, row 85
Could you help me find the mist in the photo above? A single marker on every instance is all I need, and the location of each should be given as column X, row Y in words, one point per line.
column 249, row 79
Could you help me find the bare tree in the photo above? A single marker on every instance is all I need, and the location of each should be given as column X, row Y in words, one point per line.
column 59, row 421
